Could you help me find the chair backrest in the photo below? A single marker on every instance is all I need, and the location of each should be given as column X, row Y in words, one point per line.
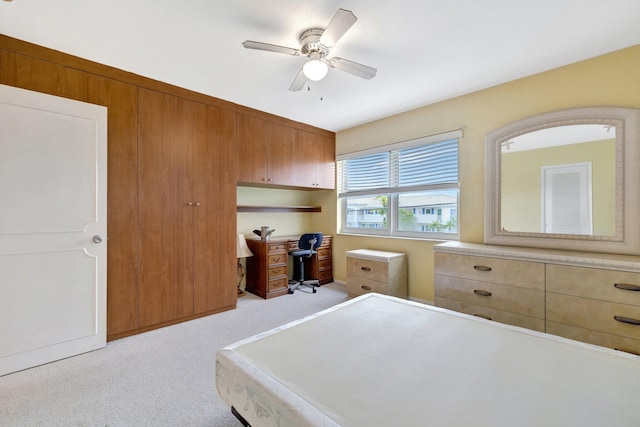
column 310, row 241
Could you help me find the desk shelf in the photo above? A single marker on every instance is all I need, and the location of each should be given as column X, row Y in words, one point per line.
column 249, row 208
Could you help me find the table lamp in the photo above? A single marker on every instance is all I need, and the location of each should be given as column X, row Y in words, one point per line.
column 243, row 251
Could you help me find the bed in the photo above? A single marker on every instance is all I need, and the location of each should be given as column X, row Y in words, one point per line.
column 383, row 361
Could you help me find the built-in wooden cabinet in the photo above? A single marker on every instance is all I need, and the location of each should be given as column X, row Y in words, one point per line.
column 186, row 152
column 265, row 151
column 167, row 261
column 588, row 297
column 274, row 154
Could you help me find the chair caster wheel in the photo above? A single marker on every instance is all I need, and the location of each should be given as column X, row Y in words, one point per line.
column 289, row 291
column 314, row 290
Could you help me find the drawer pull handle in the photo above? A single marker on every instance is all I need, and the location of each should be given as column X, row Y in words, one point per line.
column 483, row 316
column 482, row 293
column 482, row 268
column 365, row 268
column 366, row 288
column 627, row 287
column 627, row 320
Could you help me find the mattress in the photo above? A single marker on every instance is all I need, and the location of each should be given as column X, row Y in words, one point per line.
column 382, row 361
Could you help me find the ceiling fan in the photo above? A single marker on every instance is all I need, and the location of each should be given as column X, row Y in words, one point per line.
column 315, row 44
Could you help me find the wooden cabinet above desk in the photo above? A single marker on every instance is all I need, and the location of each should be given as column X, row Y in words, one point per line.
column 268, row 268
column 275, row 155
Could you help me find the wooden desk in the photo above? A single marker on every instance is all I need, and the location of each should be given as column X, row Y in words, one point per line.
column 268, row 268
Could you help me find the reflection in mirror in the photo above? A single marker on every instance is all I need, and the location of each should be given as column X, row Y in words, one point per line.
column 565, row 180
column 560, row 180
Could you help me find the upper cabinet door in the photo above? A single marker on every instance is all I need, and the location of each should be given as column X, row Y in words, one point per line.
column 252, row 150
column 315, row 161
column 282, row 140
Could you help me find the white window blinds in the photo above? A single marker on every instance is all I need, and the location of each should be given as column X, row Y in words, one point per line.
column 411, row 164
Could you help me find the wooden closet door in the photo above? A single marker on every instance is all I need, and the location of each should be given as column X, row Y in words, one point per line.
column 168, row 129
column 214, row 181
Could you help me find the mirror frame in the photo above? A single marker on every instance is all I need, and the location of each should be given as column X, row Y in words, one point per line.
column 627, row 230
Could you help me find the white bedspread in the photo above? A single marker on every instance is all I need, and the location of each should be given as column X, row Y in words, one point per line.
column 382, row 361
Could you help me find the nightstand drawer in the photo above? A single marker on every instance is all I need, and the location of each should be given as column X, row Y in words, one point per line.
column 368, row 269
column 358, row 286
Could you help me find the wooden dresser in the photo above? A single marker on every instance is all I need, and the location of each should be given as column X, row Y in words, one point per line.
column 588, row 297
column 376, row 271
column 268, row 268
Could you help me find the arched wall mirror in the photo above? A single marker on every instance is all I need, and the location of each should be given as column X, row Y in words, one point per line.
column 565, row 180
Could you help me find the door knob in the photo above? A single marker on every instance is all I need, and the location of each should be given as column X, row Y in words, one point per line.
column 97, row 239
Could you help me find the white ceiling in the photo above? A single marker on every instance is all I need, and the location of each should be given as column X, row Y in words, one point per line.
column 425, row 50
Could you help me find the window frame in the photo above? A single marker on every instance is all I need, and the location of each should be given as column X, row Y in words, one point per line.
column 393, row 192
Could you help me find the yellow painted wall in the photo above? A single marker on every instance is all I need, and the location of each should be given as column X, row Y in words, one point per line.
column 522, row 192
column 608, row 80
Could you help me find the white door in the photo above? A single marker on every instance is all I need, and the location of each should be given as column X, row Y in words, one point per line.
column 566, row 199
column 53, row 158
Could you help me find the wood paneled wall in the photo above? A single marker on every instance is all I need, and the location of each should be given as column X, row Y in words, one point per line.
column 36, row 68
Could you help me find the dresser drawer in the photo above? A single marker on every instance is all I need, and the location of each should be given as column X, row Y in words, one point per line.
column 615, row 342
column 594, row 315
column 608, row 285
column 277, row 272
column 277, row 259
column 523, row 274
column 368, row 269
column 529, row 302
column 492, row 314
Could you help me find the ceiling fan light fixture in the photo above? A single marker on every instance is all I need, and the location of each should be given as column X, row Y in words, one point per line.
column 315, row 69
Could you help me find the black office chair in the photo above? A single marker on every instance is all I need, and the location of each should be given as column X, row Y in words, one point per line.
column 307, row 247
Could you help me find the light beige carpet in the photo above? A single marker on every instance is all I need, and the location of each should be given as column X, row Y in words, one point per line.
column 160, row 378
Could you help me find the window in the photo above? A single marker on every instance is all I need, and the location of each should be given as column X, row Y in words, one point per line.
column 407, row 189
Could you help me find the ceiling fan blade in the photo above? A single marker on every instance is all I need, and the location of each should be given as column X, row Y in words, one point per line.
column 340, row 23
column 250, row 44
column 353, row 68
column 298, row 82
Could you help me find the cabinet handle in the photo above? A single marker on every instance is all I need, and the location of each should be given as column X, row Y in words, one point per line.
column 627, row 287
column 627, row 320
column 483, row 316
column 482, row 293
column 197, row 203
column 482, row 268
column 366, row 288
column 189, row 203
column 365, row 268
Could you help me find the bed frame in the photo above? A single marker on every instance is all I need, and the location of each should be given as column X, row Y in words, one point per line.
column 380, row 360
